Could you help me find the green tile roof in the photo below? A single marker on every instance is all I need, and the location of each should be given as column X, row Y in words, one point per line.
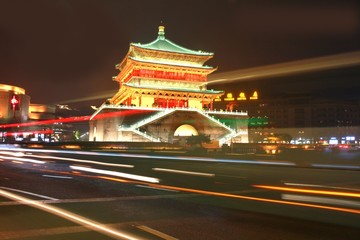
column 163, row 44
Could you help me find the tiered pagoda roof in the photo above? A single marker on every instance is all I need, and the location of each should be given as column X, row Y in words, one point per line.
column 162, row 68
column 163, row 51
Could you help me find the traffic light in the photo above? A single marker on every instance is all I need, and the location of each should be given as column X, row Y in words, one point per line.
column 15, row 102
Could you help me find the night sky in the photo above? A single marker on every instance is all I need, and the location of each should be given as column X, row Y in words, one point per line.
column 61, row 50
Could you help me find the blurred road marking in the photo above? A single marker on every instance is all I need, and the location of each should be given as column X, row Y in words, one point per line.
column 156, row 232
column 29, row 193
column 333, row 201
column 302, row 190
column 184, row 172
column 162, row 189
column 54, row 176
column 69, row 216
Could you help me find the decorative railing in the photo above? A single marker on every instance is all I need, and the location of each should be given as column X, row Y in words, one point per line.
column 147, row 136
column 110, row 106
column 151, row 118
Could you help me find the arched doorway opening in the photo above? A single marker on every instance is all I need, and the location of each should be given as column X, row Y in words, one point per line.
column 183, row 132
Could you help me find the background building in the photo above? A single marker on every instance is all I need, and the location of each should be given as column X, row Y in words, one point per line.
column 297, row 118
column 14, row 104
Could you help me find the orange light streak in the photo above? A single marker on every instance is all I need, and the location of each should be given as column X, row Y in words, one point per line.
column 218, row 194
column 303, row 190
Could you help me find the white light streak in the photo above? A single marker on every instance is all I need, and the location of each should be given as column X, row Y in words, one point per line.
column 156, row 188
column 333, row 201
column 182, row 158
column 20, row 159
column 117, row 174
column 184, row 172
column 69, row 216
column 336, row 166
column 84, row 161
column 156, row 233
column 29, row 193
column 321, row 186
column 55, row 176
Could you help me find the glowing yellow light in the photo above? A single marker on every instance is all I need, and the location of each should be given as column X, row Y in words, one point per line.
column 241, row 96
column 217, row 99
column 229, row 97
column 254, row 96
column 15, row 89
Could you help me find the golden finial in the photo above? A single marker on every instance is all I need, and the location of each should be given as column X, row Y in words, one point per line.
column 161, row 33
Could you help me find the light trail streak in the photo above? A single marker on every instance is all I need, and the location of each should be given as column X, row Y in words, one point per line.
column 321, row 186
column 46, row 122
column 84, row 161
column 333, row 201
column 69, row 216
column 117, row 174
column 228, row 195
column 156, row 232
column 21, row 159
column 179, row 158
column 55, row 176
column 306, row 65
column 72, row 119
column 184, row 172
column 302, row 190
column 337, row 166
column 99, row 95
column 30, row 193
column 156, row 188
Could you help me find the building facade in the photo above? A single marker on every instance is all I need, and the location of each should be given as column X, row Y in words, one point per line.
column 14, row 104
column 295, row 118
column 163, row 97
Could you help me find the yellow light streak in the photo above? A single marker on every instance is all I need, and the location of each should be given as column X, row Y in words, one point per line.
column 219, row 194
column 293, row 67
column 68, row 215
column 304, row 190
